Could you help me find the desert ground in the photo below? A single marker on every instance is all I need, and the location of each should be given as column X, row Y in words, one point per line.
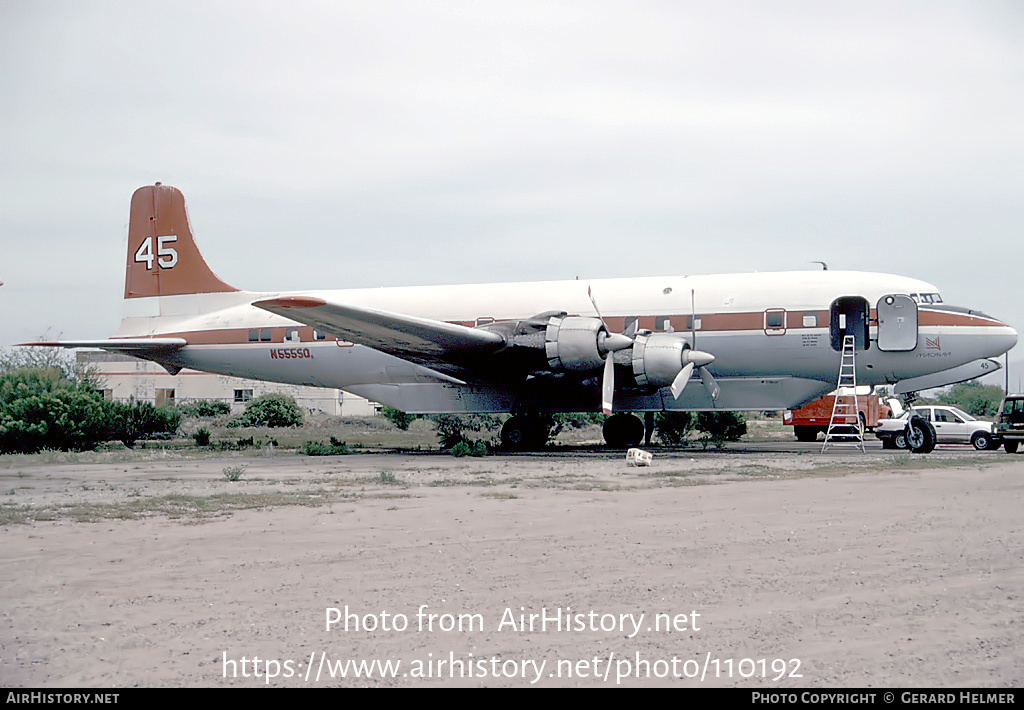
column 761, row 566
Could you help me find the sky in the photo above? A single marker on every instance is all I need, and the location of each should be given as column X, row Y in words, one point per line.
column 385, row 143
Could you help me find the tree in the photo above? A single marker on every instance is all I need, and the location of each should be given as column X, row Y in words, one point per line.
column 976, row 399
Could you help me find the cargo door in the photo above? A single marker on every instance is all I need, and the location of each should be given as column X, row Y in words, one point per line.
column 897, row 323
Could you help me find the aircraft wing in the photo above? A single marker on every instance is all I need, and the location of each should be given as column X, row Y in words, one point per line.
column 420, row 340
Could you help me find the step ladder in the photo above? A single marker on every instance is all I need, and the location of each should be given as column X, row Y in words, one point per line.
column 844, row 426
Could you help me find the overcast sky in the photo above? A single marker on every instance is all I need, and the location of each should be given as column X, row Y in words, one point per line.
column 337, row 144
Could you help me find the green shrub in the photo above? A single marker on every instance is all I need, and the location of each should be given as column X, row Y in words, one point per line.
column 202, row 437
column 673, row 427
column 233, row 473
column 397, row 417
column 451, row 428
column 131, row 421
column 41, row 409
column 721, row 427
column 270, row 410
column 467, row 448
column 319, row 448
column 204, row 408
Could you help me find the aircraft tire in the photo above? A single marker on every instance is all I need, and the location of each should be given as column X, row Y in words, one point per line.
column 622, row 431
column 515, row 434
column 525, row 433
column 920, row 436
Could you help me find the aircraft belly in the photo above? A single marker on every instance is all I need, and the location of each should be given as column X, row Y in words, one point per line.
column 744, row 393
column 314, row 364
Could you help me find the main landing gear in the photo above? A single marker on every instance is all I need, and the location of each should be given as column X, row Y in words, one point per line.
column 622, row 431
column 530, row 432
column 526, row 432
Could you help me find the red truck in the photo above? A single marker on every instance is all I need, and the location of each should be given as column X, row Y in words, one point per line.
column 814, row 417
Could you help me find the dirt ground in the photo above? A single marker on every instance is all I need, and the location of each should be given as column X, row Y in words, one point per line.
column 754, row 568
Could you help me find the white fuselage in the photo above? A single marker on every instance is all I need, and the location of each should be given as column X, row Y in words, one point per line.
column 771, row 335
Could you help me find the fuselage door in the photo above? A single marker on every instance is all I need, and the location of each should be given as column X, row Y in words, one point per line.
column 849, row 316
column 897, row 323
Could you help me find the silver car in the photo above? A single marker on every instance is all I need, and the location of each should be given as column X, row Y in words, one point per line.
column 952, row 426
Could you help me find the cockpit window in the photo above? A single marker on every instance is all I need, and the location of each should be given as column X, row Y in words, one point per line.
column 926, row 298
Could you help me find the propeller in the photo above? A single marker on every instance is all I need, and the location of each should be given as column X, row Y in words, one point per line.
column 610, row 343
column 695, row 359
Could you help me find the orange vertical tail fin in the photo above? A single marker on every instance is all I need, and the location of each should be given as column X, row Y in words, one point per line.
column 163, row 259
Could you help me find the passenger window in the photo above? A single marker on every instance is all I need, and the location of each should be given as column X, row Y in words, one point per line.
column 663, row 323
column 775, row 321
column 254, row 335
column 810, row 320
column 265, row 335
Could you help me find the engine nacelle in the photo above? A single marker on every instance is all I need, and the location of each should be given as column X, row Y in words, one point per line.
column 658, row 358
column 575, row 343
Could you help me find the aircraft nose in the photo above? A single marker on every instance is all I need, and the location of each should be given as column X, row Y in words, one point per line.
column 1011, row 339
column 1003, row 339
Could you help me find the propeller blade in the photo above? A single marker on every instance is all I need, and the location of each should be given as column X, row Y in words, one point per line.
column 608, row 384
column 679, row 383
column 709, row 383
column 597, row 310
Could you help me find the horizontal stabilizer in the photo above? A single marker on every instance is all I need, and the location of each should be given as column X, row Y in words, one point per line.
column 128, row 345
column 410, row 337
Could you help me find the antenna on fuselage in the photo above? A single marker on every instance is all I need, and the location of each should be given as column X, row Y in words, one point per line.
column 824, row 266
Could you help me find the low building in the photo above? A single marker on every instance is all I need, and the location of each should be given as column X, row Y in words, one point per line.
column 122, row 377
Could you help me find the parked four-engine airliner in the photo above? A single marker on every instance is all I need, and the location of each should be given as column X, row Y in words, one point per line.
column 761, row 341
